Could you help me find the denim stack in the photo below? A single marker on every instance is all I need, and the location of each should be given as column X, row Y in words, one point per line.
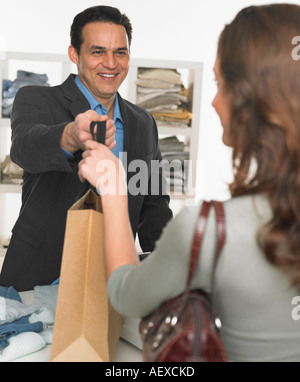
column 10, row 88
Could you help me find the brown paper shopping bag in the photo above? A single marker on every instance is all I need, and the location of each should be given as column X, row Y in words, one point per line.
column 87, row 328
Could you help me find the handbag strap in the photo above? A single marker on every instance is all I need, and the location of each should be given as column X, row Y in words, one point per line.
column 197, row 240
column 221, row 235
column 198, row 236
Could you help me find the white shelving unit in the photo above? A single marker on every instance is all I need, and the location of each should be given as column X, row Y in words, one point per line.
column 57, row 67
column 26, row 61
column 193, row 72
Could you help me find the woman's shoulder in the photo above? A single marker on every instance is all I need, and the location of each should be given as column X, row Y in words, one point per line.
column 256, row 206
column 249, row 209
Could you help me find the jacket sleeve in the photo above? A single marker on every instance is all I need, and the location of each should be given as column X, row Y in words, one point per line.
column 35, row 133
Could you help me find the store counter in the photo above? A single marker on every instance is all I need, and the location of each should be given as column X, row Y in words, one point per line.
column 128, row 349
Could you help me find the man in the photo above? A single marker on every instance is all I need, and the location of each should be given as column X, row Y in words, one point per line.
column 49, row 128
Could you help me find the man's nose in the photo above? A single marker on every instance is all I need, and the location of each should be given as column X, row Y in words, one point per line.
column 110, row 61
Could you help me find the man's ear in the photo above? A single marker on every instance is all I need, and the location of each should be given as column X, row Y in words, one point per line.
column 73, row 55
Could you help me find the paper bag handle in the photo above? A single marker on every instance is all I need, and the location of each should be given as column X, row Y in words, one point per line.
column 100, row 131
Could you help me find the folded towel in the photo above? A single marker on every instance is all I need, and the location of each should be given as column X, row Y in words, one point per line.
column 16, row 327
column 21, row 345
column 45, row 297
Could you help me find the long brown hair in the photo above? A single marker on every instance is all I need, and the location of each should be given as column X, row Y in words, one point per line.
column 262, row 80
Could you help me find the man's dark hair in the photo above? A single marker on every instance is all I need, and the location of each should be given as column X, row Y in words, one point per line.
column 100, row 13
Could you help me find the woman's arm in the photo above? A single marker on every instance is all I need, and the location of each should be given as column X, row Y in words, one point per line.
column 136, row 291
column 102, row 169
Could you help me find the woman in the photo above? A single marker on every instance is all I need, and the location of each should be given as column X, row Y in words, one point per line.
column 258, row 275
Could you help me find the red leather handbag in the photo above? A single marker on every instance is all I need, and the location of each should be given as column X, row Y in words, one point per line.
column 187, row 327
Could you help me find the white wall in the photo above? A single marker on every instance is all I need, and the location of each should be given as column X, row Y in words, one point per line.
column 162, row 29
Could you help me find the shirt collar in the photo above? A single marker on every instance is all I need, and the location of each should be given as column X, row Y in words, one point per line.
column 94, row 102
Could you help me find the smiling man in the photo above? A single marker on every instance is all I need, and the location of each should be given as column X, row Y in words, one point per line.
column 50, row 126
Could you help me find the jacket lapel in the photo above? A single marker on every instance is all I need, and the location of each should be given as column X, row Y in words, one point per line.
column 79, row 104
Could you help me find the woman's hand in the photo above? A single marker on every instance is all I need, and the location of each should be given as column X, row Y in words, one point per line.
column 77, row 133
column 102, row 169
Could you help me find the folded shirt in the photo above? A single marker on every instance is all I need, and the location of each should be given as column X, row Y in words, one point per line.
column 12, row 310
column 165, row 99
column 180, row 114
column 153, row 84
column 171, row 76
column 144, row 91
column 21, row 325
column 171, row 143
column 21, row 345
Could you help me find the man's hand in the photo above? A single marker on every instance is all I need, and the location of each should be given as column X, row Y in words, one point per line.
column 103, row 170
column 78, row 132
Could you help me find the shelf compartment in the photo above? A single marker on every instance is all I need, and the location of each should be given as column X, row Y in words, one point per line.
column 192, row 73
column 10, row 188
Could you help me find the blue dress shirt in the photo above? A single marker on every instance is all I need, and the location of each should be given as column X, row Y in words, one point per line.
column 100, row 109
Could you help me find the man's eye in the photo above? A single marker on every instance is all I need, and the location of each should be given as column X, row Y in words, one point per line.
column 121, row 52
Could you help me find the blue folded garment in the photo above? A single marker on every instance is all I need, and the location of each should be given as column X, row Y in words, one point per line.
column 19, row 326
column 56, row 282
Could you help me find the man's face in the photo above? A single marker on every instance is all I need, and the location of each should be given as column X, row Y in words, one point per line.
column 103, row 62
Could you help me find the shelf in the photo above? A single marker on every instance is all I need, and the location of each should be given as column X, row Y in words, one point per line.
column 6, row 58
column 29, row 56
column 10, row 188
column 62, row 59
column 167, row 64
column 192, row 73
column 57, row 67
column 187, row 132
column 5, row 123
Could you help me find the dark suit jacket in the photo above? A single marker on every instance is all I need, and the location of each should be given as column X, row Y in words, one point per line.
column 51, row 183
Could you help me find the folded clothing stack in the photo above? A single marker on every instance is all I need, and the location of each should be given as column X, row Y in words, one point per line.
column 11, row 172
column 175, row 162
column 161, row 92
column 26, row 329
column 14, row 320
column 10, row 88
